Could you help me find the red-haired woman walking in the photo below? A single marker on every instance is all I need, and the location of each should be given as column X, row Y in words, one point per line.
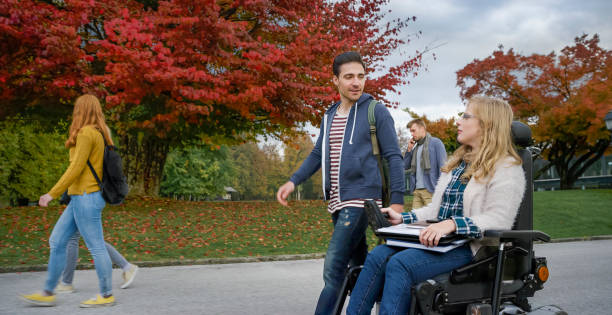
column 84, row 212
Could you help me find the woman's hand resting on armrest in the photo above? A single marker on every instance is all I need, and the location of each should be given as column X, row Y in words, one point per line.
column 394, row 217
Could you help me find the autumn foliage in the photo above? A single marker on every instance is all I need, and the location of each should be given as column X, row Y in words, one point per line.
column 171, row 72
column 564, row 98
column 256, row 64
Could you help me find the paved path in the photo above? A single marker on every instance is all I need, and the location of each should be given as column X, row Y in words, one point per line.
column 580, row 282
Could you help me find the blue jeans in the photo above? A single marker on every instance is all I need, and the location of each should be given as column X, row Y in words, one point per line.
column 72, row 256
column 83, row 214
column 397, row 270
column 347, row 247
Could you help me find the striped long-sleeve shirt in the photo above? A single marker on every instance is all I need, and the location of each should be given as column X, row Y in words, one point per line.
column 336, row 138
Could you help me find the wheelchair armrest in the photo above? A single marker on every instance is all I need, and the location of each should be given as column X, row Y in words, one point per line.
column 508, row 235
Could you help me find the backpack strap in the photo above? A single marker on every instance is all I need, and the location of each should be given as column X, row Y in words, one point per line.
column 95, row 174
column 372, row 121
column 374, row 139
column 103, row 139
column 91, row 167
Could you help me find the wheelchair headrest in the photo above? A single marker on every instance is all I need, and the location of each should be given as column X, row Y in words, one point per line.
column 521, row 134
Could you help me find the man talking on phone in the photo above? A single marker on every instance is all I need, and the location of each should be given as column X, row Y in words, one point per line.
column 423, row 159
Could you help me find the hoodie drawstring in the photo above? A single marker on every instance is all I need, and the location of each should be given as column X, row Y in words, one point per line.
column 323, row 147
column 354, row 120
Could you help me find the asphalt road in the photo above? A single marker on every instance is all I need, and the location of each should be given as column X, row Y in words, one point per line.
column 580, row 282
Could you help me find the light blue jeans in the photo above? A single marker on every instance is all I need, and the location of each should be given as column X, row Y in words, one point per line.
column 392, row 271
column 83, row 214
column 72, row 256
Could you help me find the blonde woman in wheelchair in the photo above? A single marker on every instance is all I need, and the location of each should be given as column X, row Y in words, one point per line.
column 480, row 188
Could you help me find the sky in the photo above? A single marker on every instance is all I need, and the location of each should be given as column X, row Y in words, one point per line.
column 468, row 30
column 464, row 30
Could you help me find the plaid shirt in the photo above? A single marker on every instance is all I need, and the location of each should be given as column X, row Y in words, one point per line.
column 452, row 206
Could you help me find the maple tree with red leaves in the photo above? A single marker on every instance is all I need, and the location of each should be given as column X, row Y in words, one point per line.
column 563, row 97
column 175, row 72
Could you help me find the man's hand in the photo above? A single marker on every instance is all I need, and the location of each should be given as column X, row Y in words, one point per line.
column 394, row 216
column 411, row 144
column 44, row 200
column 283, row 192
column 430, row 236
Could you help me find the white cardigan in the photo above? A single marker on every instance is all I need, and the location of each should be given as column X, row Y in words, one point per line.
column 492, row 203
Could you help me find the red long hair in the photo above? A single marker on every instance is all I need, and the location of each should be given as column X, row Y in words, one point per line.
column 87, row 111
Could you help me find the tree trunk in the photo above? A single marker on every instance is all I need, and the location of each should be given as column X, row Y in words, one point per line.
column 144, row 159
column 566, row 178
column 566, row 182
column 570, row 169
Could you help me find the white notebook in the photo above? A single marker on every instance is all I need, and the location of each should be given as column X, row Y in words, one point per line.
column 403, row 229
column 439, row 248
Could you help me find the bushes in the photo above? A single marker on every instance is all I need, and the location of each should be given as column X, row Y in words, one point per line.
column 196, row 171
column 31, row 160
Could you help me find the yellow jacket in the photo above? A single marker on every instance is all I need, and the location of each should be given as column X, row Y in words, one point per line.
column 78, row 177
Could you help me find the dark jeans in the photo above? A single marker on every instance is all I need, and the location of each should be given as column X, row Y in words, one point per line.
column 347, row 246
column 397, row 270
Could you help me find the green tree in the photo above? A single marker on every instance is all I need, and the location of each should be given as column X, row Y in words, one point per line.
column 250, row 178
column 197, row 171
column 31, row 159
column 259, row 170
column 275, row 174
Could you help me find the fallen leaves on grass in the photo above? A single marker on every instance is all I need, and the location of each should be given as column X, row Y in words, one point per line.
column 151, row 229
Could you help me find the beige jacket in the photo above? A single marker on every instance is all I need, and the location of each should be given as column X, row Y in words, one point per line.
column 492, row 203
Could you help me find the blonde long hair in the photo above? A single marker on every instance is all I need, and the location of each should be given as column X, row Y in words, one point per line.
column 495, row 119
column 87, row 111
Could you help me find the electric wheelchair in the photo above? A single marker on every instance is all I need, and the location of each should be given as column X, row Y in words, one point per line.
column 498, row 280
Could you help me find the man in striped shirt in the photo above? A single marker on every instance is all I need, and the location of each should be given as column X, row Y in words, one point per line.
column 350, row 171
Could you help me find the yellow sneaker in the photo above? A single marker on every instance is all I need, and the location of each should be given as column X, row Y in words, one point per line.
column 39, row 299
column 128, row 276
column 64, row 288
column 99, row 301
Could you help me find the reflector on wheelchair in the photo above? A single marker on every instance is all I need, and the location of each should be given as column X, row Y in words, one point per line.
column 543, row 273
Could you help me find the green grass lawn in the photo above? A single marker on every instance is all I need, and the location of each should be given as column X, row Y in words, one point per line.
column 147, row 229
column 570, row 213
column 573, row 213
